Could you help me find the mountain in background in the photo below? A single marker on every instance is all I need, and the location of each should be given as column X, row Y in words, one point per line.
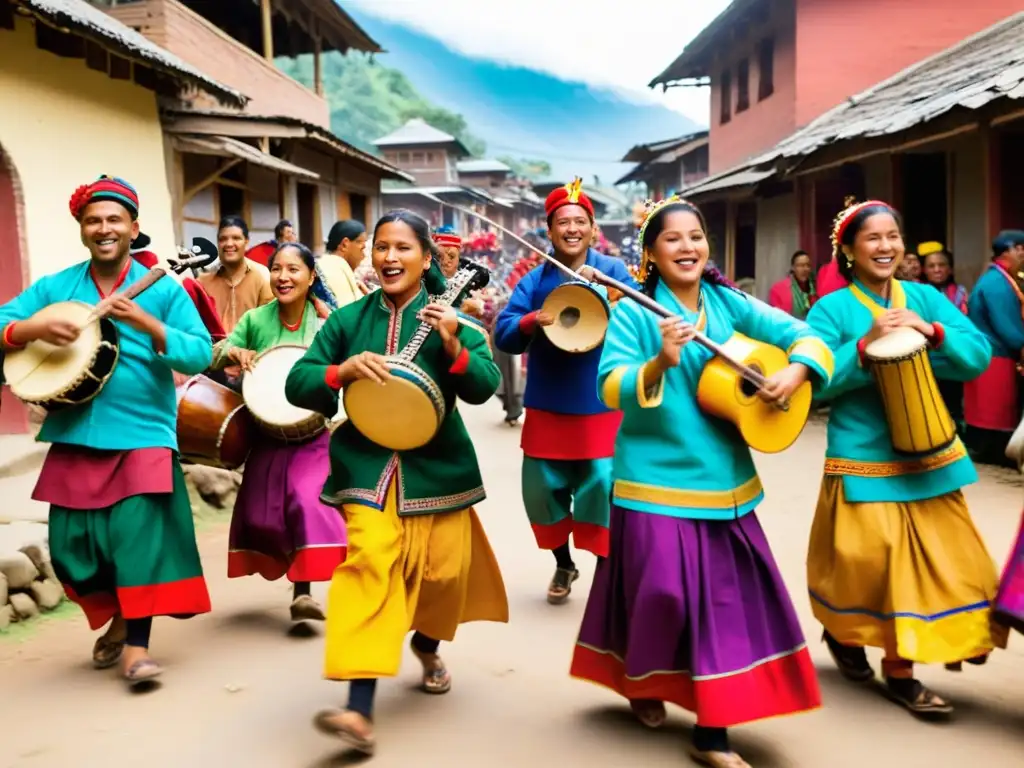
column 517, row 113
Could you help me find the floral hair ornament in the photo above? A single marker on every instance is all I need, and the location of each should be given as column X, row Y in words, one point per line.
column 651, row 208
column 850, row 209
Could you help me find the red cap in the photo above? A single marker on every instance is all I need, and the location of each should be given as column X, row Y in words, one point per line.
column 447, row 240
column 570, row 194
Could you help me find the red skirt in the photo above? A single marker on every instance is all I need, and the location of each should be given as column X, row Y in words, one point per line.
column 990, row 401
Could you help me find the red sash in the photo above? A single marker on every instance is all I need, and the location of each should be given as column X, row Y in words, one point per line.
column 990, row 401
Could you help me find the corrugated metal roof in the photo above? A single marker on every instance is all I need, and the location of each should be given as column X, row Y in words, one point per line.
column 728, row 180
column 80, row 17
column 418, row 132
column 642, row 153
column 984, row 67
column 693, row 62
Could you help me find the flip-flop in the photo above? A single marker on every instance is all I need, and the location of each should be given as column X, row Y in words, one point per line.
column 925, row 702
column 141, row 672
column 436, row 680
column 561, row 585
column 106, row 652
column 326, row 723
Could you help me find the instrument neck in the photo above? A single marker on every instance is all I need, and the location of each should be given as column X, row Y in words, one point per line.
column 455, row 287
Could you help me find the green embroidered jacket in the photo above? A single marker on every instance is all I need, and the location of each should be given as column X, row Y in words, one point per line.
column 443, row 475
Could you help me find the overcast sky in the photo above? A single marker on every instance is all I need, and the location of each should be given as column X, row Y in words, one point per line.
column 617, row 44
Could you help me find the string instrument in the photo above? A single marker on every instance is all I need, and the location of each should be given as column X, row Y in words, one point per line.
column 730, row 381
column 407, row 410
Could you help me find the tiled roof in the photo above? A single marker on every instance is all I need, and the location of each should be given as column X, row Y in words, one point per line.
column 483, row 166
column 418, row 132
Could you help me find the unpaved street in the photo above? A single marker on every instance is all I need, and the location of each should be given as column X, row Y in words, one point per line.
column 241, row 686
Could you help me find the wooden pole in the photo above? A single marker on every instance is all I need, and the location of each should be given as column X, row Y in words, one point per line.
column 318, row 69
column 266, row 15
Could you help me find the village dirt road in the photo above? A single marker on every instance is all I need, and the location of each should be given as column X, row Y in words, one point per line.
column 240, row 690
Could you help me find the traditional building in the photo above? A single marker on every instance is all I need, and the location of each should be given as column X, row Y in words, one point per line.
column 667, row 167
column 80, row 94
column 774, row 67
column 276, row 157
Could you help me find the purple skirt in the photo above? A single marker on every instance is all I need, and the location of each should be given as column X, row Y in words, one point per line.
column 279, row 526
column 1009, row 608
column 695, row 612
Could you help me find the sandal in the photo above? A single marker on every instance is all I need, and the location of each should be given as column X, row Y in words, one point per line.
column 107, row 651
column 561, row 585
column 305, row 608
column 918, row 699
column 718, row 759
column 851, row 661
column 141, row 672
column 436, row 679
column 330, row 722
column 650, row 712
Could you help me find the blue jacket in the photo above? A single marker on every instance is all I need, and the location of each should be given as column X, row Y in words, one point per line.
column 559, row 382
column 995, row 310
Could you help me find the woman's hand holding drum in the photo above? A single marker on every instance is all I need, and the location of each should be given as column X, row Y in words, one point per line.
column 244, row 357
column 892, row 319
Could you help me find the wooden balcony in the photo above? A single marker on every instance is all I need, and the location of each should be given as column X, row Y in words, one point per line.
column 192, row 38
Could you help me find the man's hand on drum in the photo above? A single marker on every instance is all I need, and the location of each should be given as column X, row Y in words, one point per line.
column 891, row 319
column 244, row 357
column 444, row 320
column 365, row 365
column 545, row 318
column 60, row 333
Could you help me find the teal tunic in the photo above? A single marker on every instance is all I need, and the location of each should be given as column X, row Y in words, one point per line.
column 670, row 457
column 138, row 406
column 859, row 444
column 443, row 475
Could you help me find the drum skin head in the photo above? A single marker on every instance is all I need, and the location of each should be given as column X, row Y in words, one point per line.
column 896, row 344
column 398, row 415
column 263, row 387
column 581, row 317
column 42, row 371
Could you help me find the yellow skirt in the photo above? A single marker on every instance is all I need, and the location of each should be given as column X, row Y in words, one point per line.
column 915, row 579
column 428, row 573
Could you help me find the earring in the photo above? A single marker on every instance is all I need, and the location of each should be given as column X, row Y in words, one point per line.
column 849, row 260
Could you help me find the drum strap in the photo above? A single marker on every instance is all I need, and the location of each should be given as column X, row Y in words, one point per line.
column 899, row 298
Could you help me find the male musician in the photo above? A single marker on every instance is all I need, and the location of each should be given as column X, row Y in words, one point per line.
column 239, row 284
column 346, row 249
column 284, row 232
column 121, row 532
column 450, row 245
column 569, row 435
column 992, row 401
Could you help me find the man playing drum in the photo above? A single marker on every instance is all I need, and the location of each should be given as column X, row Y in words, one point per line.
column 569, row 434
column 120, row 527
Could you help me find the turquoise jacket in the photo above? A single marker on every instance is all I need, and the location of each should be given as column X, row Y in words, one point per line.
column 138, row 407
column 671, row 458
column 996, row 311
column 859, row 445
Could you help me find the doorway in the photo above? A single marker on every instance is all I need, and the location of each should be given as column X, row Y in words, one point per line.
column 358, row 206
column 13, row 413
column 924, row 204
column 309, row 215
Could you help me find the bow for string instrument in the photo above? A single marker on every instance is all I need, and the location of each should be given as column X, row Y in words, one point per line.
column 56, row 377
column 729, row 385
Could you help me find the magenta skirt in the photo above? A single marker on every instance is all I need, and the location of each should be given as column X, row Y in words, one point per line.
column 279, row 526
column 1009, row 608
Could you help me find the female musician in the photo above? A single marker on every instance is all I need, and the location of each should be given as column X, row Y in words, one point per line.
column 689, row 607
column 418, row 557
column 796, row 293
column 895, row 561
column 279, row 526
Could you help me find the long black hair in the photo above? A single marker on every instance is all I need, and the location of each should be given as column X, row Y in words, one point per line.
column 853, row 227
column 654, row 228
column 433, row 278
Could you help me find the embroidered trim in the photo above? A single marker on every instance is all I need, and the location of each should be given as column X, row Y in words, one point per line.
column 689, row 498
column 855, row 468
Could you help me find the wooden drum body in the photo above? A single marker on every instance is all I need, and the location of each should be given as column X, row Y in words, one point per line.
column 214, row 428
column 919, row 421
column 403, row 414
column 58, row 377
column 581, row 317
column 723, row 393
column 263, row 391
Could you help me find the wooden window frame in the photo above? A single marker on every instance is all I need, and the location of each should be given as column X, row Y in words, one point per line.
column 725, row 97
column 765, row 56
column 743, row 86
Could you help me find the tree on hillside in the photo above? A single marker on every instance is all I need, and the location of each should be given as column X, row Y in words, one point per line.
column 534, row 170
column 368, row 100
